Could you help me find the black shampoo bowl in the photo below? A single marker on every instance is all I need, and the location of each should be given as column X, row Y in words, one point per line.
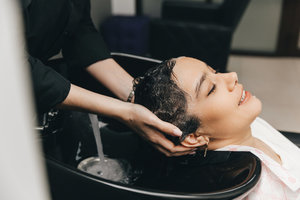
column 69, row 140
column 215, row 181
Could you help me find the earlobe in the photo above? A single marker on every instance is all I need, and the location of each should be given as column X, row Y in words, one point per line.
column 193, row 140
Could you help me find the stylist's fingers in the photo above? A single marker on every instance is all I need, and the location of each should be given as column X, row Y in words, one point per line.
column 151, row 128
column 165, row 127
column 175, row 153
column 167, row 147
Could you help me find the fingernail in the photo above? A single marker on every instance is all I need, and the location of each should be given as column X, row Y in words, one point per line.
column 192, row 153
column 177, row 132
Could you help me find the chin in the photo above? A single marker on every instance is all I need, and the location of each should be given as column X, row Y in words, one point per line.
column 252, row 109
column 256, row 108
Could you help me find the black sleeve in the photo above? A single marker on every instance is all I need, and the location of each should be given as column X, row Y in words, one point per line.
column 50, row 88
column 84, row 45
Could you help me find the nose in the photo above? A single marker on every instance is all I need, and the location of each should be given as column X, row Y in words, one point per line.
column 231, row 80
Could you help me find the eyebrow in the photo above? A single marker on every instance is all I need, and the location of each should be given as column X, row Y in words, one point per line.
column 198, row 86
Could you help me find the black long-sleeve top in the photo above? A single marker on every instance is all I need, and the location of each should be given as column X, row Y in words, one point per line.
column 52, row 26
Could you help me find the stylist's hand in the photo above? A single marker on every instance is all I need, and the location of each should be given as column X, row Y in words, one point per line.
column 150, row 127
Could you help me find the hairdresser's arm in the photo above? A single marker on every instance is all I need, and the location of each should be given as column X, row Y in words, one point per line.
column 135, row 116
column 110, row 74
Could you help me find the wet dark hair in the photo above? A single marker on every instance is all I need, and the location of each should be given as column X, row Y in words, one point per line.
column 158, row 92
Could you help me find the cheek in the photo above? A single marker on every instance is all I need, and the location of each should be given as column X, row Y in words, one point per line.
column 218, row 114
column 216, row 109
column 224, row 117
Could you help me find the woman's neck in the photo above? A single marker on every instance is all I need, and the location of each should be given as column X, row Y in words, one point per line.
column 241, row 138
column 254, row 142
column 249, row 140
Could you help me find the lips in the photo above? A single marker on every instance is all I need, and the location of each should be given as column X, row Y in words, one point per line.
column 244, row 98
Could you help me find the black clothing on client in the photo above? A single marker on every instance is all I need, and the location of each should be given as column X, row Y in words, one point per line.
column 52, row 26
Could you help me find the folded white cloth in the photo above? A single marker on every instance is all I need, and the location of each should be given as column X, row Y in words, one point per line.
column 277, row 182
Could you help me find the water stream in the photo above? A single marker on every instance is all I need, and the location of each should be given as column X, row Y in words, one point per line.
column 97, row 135
column 111, row 169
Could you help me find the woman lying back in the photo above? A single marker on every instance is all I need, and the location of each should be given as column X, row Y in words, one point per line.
column 214, row 111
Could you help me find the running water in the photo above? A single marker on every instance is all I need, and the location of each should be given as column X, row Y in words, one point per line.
column 97, row 134
column 104, row 167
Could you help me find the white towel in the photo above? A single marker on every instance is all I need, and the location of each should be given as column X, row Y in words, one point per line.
column 277, row 182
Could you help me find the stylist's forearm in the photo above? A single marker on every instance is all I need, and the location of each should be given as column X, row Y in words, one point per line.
column 109, row 73
column 84, row 100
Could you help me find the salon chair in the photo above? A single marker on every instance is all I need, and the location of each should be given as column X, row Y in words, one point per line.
column 128, row 34
column 197, row 29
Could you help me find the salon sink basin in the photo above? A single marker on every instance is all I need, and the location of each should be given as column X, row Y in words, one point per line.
column 221, row 180
column 220, row 175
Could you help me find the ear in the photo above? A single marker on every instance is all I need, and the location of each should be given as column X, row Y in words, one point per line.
column 192, row 140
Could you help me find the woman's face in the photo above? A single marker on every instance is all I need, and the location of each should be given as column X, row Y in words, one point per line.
column 217, row 99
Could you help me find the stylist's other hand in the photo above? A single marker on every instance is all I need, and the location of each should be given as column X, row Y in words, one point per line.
column 150, row 127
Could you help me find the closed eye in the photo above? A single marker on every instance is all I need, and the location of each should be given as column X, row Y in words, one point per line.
column 212, row 89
